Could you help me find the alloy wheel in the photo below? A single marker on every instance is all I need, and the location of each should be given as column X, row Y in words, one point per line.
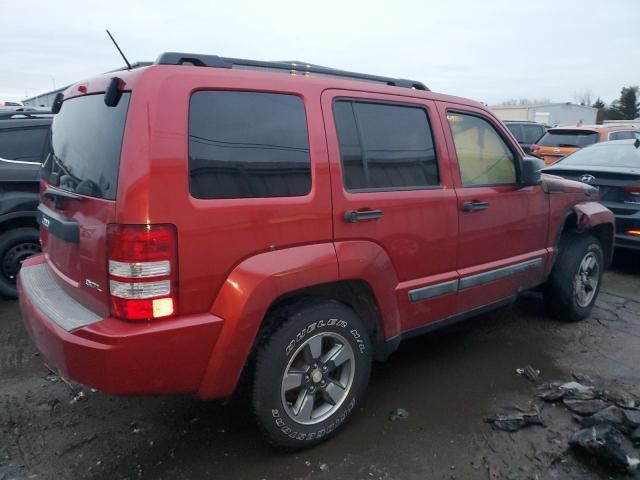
column 585, row 282
column 318, row 378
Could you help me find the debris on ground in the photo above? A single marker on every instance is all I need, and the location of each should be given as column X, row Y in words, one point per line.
column 610, row 420
column 529, row 373
column 323, row 467
column 631, row 417
column 625, row 420
column 78, row 397
column 398, row 414
column 556, row 391
column 513, row 419
column 584, row 407
column 608, row 445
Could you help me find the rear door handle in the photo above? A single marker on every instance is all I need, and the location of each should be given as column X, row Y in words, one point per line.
column 474, row 206
column 353, row 216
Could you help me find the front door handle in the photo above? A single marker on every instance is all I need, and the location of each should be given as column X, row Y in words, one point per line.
column 474, row 206
column 353, row 216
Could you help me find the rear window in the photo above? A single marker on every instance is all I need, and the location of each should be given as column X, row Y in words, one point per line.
column 24, row 144
column 568, row 138
column 606, row 155
column 86, row 139
column 247, row 145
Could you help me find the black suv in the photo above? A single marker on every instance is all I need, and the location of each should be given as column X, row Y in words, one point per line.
column 526, row 133
column 24, row 144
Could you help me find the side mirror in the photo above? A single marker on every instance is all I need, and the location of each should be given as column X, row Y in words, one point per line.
column 530, row 172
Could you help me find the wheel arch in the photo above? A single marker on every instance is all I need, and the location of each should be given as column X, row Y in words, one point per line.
column 13, row 220
column 272, row 279
column 593, row 218
column 357, row 294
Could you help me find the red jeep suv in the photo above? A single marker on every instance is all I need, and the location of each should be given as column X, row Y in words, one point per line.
column 206, row 220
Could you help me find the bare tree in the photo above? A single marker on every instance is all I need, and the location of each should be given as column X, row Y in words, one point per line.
column 584, row 98
column 525, row 101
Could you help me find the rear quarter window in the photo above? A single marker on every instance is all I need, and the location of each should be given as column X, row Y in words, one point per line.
column 26, row 144
column 247, row 145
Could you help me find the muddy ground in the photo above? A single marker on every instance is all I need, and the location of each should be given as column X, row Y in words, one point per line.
column 449, row 382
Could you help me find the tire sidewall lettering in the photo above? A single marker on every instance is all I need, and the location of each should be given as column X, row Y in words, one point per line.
column 307, row 331
column 290, row 432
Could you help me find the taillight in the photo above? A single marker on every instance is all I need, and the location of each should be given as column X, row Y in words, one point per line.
column 143, row 262
column 534, row 148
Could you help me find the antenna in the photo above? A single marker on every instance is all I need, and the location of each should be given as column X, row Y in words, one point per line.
column 122, row 54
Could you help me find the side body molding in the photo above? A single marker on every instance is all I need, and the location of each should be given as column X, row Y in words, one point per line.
column 244, row 298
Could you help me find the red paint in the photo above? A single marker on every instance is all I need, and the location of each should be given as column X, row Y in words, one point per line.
column 236, row 257
column 123, row 358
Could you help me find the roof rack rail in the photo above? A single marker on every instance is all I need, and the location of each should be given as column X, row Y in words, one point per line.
column 214, row 61
column 24, row 113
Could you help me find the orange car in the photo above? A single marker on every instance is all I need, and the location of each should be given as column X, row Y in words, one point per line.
column 561, row 141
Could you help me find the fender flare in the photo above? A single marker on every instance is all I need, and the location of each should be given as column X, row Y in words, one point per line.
column 368, row 261
column 592, row 214
column 589, row 215
column 259, row 281
column 243, row 301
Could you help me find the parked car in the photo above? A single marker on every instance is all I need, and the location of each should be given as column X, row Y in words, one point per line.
column 23, row 147
column 561, row 141
column 10, row 105
column 614, row 167
column 207, row 220
column 526, row 133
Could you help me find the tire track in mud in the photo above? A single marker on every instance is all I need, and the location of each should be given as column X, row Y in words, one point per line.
column 12, row 358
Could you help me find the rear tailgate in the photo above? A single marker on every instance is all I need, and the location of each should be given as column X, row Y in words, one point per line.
column 559, row 142
column 79, row 195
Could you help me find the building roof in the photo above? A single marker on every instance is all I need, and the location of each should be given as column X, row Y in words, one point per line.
column 608, row 127
column 539, row 105
column 58, row 90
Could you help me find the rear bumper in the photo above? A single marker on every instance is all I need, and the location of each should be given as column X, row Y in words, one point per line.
column 122, row 358
column 627, row 241
column 627, row 218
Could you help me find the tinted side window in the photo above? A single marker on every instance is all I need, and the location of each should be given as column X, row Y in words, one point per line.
column 483, row 157
column 516, row 130
column 531, row 133
column 385, row 147
column 23, row 144
column 245, row 144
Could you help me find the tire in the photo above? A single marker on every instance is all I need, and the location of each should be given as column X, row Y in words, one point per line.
column 574, row 283
column 15, row 246
column 297, row 405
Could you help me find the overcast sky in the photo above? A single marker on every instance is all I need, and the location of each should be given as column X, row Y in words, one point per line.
column 488, row 50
